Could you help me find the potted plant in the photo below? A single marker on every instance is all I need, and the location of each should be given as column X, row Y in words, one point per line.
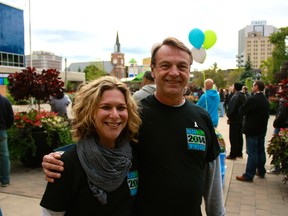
column 36, row 132
column 278, row 145
column 278, row 149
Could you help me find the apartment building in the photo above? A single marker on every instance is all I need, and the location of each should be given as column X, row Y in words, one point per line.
column 44, row 60
column 253, row 41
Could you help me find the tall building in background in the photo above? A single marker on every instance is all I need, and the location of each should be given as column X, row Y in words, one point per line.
column 117, row 59
column 11, row 43
column 44, row 60
column 253, row 41
column 11, row 36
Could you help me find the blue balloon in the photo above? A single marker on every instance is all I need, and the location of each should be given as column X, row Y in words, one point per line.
column 196, row 37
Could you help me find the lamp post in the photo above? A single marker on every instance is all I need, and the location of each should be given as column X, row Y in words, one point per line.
column 286, row 45
column 258, row 76
column 65, row 73
column 30, row 35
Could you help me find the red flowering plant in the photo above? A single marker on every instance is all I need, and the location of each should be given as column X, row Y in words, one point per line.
column 31, row 84
column 28, row 126
column 278, row 145
column 283, row 91
column 56, row 129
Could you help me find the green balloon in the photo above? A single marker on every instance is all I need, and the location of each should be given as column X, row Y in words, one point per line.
column 210, row 39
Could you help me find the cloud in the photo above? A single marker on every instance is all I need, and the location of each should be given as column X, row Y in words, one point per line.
column 87, row 29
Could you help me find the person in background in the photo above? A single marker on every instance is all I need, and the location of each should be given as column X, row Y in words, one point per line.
column 99, row 172
column 245, row 91
column 222, row 100
column 148, row 87
column 59, row 104
column 6, row 121
column 210, row 101
column 235, row 121
column 256, row 111
column 178, row 151
column 228, row 96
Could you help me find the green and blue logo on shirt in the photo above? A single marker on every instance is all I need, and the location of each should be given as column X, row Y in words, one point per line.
column 196, row 139
column 132, row 180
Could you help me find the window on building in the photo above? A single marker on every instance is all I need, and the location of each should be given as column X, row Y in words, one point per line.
column 10, row 59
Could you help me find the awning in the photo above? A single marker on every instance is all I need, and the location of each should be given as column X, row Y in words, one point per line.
column 139, row 77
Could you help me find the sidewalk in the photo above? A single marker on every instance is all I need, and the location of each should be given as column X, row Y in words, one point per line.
column 263, row 197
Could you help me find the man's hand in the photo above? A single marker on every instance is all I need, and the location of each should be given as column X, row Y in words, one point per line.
column 52, row 165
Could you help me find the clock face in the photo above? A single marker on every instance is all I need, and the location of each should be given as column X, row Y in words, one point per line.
column 114, row 61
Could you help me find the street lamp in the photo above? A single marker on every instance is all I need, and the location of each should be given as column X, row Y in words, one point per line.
column 286, row 44
column 30, row 35
column 258, row 76
column 65, row 73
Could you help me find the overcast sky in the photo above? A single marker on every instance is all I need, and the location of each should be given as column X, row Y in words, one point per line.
column 86, row 30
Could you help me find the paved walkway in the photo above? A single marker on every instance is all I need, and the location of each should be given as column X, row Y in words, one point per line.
column 268, row 196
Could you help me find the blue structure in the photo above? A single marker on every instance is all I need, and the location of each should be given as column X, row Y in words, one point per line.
column 11, row 36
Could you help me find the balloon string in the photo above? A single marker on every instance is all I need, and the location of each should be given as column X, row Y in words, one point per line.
column 205, row 90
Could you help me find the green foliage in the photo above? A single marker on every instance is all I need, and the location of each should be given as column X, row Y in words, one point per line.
column 92, row 72
column 279, row 55
column 248, row 71
column 267, row 70
column 213, row 73
column 234, row 76
column 273, row 106
column 278, row 149
column 20, row 141
column 198, row 79
column 249, row 83
column 20, row 135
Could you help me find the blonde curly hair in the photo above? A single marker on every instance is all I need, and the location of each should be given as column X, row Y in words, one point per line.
column 86, row 103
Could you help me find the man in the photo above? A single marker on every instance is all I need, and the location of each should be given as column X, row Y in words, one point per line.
column 256, row 111
column 245, row 91
column 6, row 121
column 148, row 87
column 59, row 104
column 235, row 120
column 178, row 151
column 210, row 101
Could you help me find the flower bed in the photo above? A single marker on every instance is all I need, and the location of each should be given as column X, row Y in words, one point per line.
column 36, row 133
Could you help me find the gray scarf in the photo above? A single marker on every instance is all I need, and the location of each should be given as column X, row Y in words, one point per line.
column 106, row 168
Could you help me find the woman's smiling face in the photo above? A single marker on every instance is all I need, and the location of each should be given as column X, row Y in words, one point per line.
column 111, row 117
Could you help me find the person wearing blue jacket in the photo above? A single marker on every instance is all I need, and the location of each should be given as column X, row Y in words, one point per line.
column 210, row 101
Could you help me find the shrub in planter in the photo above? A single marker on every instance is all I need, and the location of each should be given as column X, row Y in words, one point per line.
column 35, row 134
column 278, row 145
column 23, row 137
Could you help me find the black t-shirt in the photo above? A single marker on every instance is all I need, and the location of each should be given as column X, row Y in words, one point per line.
column 72, row 194
column 174, row 145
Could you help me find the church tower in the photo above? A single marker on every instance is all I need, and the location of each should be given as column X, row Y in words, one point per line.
column 118, row 61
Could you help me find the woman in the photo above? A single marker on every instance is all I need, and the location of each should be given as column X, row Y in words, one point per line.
column 99, row 178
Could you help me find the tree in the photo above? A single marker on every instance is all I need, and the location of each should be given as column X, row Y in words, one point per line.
column 267, row 70
column 30, row 84
column 234, row 76
column 279, row 55
column 92, row 72
column 247, row 71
